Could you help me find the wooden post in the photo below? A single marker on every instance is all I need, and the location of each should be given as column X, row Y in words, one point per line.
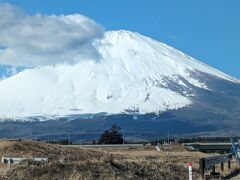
column 213, row 169
column 222, row 166
column 202, row 166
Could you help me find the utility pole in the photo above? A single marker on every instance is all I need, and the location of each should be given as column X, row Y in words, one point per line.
column 69, row 138
column 123, row 136
column 168, row 137
column 12, row 128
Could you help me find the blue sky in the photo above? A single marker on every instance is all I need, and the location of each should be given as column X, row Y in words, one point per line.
column 208, row 30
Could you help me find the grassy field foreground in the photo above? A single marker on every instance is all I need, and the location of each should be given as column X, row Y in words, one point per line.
column 97, row 163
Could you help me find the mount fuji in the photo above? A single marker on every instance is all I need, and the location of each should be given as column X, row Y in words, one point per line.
column 143, row 85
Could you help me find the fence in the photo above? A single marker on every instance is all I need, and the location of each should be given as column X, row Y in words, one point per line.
column 16, row 160
column 210, row 163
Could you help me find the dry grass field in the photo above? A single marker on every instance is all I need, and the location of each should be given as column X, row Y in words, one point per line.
column 98, row 163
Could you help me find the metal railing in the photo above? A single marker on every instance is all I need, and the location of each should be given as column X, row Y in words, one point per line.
column 210, row 163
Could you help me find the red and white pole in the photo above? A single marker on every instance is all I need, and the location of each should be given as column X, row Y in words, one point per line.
column 190, row 170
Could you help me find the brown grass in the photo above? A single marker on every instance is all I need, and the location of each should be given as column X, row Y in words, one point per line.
column 97, row 163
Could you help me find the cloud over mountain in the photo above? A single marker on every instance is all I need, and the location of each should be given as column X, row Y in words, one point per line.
column 35, row 40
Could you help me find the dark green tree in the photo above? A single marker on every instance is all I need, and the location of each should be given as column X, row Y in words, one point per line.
column 111, row 136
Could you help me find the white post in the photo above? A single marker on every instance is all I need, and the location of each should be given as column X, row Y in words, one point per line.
column 9, row 163
column 190, row 170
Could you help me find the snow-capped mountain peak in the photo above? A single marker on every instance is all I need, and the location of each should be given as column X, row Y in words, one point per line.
column 136, row 44
column 132, row 74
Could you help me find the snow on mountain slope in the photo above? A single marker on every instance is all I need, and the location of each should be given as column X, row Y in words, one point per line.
column 129, row 45
column 129, row 76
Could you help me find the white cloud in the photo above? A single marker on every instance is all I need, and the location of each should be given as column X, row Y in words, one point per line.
column 37, row 40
